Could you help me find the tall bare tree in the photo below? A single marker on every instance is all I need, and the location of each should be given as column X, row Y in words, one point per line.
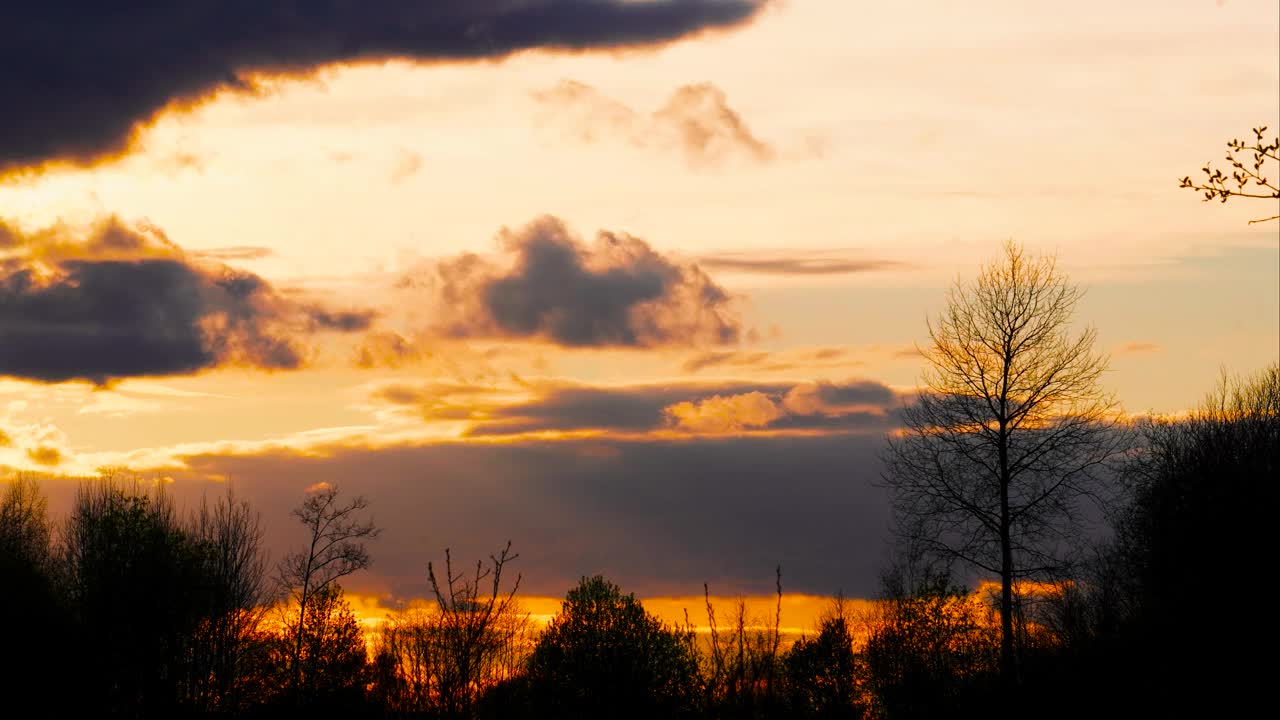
column 1004, row 443
column 336, row 548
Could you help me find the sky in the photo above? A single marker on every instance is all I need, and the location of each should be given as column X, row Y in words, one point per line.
column 635, row 284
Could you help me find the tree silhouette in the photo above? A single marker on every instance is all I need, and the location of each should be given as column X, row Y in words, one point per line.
column 1248, row 177
column 37, row 632
column 135, row 582
column 605, row 656
column 228, row 538
column 825, row 677
column 1004, row 443
column 335, row 548
column 1202, row 506
column 333, row 657
column 931, row 649
column 476, row 630
column 743, row 664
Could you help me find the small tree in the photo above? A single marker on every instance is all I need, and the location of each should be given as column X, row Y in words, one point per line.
column 931, row 648
column 824, row 674
column 605, row 656
column 333, row 650
column 228, row 538
column 1005, row 441
column 477, row 630
column 1248, row 175
column 335, row 549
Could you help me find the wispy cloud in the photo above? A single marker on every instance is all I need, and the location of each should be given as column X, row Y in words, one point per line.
column 1138, row 347
column 696, row 121
column 791, row 262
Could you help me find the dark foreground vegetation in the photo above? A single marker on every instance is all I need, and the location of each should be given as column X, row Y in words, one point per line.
column 131, row 608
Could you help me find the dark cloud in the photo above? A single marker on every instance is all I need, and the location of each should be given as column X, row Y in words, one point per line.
column 618, row 292
column 659, row 517
column 857, row 405
column 816, row 263
column 79, row 77
column 696, row 120
column 127, row 302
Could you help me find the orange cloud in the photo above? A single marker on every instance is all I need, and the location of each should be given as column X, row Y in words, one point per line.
column 718, row 414
column 1138, row 347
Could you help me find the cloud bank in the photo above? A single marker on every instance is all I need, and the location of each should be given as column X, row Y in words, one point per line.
column 637, row 409
column 658, row 517
column 80, row 76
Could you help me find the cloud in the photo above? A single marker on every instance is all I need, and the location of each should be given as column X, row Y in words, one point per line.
column 769, row 361
column 730, row 413
column 646, row 408
column 86, row 75
column 1138, row 347
column 235, row 252
column 816, row 262
column 696, row 120
column 47, row 456
column 618, row 292
column 127, row 302
column 384, row 348
column 408, row 163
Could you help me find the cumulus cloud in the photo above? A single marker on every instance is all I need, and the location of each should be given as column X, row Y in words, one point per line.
column 125, row 301
column 696, row 120
column 549, row 285
column 86, row 74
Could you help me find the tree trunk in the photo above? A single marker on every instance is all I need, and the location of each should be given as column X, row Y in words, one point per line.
column 1007, row 673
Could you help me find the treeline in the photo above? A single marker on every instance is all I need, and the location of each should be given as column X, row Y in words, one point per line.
column 131, row 608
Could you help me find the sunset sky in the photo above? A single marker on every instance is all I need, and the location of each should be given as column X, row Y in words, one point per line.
column 635, row 284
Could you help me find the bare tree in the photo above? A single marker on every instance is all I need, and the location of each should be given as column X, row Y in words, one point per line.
column 743, row 661
column 24, row 523
column 1006, row 439
column 477, row 628
column 337, row 533
column 1247, row 179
